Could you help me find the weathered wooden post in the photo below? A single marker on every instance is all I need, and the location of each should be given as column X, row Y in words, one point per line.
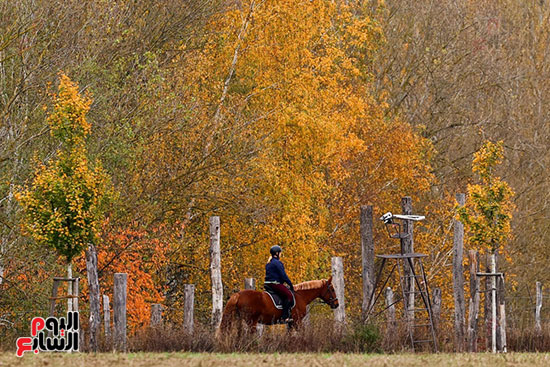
column 391, row 311
column 458, row 278
column 156, row 315
column 367, row 253
column 70, row 288
column 76, row 286
column 338, row 282
column 487, row 299
column 436, row 307
column 538, row 307
column 250, row 283
column 119, row 310
column 189, row 308
column 216, row 272
column 473, row 309
column 106, row 317
column 93, row 287
column 502, row 314
column 492, row 263
column 407, row 246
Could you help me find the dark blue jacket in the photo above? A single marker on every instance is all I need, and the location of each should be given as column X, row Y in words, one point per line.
column 275, row 272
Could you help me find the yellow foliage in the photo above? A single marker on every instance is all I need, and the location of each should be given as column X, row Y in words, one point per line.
column 300, row 85
column 488, row 212
column 63, row 204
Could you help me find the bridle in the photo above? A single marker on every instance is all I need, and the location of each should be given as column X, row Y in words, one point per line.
column 331, row 299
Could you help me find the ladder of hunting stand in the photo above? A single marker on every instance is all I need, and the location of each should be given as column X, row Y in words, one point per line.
column 421, row 328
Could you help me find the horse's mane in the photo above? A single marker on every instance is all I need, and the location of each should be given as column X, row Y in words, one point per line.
column 312, row 284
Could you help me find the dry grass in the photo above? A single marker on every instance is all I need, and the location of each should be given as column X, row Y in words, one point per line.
column 256, row 360
column 321, row 336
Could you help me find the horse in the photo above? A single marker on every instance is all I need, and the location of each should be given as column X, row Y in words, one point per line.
column 255, row 307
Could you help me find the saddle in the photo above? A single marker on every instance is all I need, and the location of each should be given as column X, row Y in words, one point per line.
column 278, row 301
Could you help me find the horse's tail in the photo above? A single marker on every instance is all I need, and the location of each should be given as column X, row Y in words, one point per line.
column 230, row 313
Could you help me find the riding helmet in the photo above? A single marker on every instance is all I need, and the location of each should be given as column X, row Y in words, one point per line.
column 275, row 249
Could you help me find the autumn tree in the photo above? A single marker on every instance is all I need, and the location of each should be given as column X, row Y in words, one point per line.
column 488, row 211
column 63, row 205
column 290, row 92
column 463, row 73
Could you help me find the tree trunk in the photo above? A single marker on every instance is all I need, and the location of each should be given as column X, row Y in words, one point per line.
column 436, row 307
column 538, row 307
column 391, row 311
column 70, row 288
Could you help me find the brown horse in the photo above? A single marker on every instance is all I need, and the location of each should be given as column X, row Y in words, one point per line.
column 255, row 307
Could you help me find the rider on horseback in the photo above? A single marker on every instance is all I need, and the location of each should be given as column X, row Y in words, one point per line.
column 275, row 276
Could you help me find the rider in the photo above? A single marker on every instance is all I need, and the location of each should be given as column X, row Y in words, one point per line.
column 275, row 276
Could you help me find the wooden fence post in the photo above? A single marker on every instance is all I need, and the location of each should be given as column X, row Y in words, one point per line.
column 492, row 263
column 250, row 283
column 106, row 317
column 93, row 287
column 119, row 310
column 156, row 315
column 407, row 246
column 76, row 293
column 70, row 288
column 436, row 307
column 189, row 307
column 473, row 309
column 502, row 313
column 458, row 278
column 76, row 290
column 367, row 253
column 216, row 273
column 487, row 300
column 538, row 307
column 338, row 282
column 391, row 311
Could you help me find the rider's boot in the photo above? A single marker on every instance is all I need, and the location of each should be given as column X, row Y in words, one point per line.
column 286, row 318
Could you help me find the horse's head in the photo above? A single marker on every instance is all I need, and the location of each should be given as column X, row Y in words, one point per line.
column 328, row 294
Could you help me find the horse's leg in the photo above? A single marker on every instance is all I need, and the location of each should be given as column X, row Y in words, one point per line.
column 252, row 325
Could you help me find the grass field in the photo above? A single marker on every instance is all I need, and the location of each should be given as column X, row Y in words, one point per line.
column 258, row 360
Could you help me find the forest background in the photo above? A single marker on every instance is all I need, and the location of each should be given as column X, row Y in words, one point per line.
column 282, row 117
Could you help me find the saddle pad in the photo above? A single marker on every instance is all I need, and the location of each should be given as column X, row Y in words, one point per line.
column 277, row 301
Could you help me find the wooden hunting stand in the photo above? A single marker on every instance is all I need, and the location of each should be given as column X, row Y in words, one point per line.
column 412, row 281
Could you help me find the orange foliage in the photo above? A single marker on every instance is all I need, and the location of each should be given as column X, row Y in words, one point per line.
column 142, row 256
